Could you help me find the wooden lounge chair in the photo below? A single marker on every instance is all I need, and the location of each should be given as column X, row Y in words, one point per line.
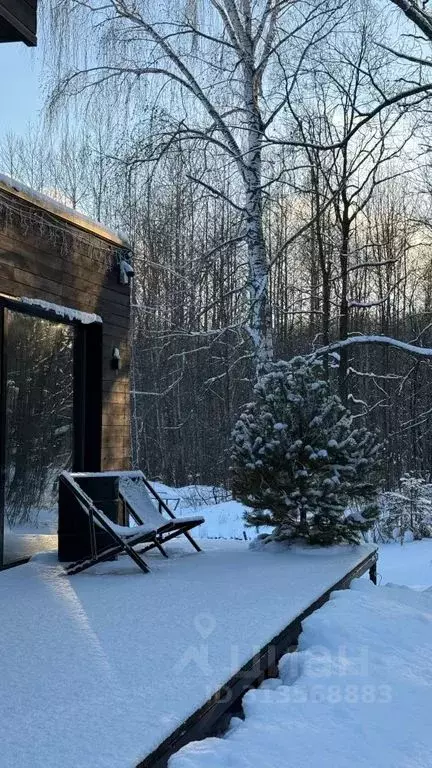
column 154, row 532
column 145, row 506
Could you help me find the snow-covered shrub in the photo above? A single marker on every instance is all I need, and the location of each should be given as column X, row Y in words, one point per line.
column 299, row 460
column 412, row 486
column 406, row 514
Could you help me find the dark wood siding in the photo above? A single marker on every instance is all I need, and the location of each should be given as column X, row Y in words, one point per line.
column 78, row 270
column 18, row 21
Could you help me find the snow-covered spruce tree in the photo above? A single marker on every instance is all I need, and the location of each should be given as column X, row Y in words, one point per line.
column 300, row 462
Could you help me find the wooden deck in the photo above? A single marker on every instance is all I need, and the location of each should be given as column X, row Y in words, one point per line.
column 151, row 661
column 209, row 719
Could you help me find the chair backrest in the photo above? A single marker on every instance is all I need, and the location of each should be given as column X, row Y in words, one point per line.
column 136, row 494
column 85, row 502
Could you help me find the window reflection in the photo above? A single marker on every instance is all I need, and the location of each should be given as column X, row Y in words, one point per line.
column 39, row 430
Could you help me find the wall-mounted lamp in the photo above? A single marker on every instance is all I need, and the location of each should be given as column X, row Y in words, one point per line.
column 126, row 271
column 115, row 359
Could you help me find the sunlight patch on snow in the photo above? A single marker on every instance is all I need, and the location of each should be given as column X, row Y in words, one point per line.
column 99, row 668
column 63, row 591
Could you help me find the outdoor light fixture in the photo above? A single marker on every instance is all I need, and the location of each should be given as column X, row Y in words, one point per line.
column 126, row 271
column 115, row 359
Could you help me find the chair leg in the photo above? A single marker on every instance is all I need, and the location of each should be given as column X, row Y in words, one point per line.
column 154, row 544
column 161, row 549
column 136, row 558
column 87, row 562
column 82, row 565
column 192, row 541
column 182, row 531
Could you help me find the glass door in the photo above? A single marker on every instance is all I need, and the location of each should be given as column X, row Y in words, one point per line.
column 38, row 415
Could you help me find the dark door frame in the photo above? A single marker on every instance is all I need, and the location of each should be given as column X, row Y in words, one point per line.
column 87, row 399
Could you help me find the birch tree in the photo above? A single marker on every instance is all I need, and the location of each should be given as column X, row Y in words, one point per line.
column 217, row 71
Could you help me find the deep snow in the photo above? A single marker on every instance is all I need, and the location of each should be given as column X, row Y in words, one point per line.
column 224, row 518
column 358, row 692
column 97, row 669
column 91, row 666
column 410, row 564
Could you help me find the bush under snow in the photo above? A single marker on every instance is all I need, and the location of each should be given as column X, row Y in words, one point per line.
column 405, row 514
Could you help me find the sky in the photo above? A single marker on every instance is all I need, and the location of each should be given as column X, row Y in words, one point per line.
column 21, row 98
column 20, row 95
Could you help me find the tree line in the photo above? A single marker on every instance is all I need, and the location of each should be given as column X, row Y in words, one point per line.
column 269, row 163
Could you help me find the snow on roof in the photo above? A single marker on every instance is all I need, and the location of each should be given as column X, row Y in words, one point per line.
column 62, row 211
column 71, row 314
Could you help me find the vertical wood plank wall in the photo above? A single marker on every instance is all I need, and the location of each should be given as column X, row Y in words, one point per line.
column 32, row 266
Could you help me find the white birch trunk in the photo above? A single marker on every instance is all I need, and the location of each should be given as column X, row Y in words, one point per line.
column 259, row 322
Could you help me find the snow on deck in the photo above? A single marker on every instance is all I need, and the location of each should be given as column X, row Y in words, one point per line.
column 98, row 669
column 357, row 694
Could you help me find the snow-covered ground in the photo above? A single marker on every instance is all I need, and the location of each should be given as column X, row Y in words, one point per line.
column 222, row 521
column 358, row 692
column 410, row 564
column 224, row 518
column 98, row 669
column 104, row 648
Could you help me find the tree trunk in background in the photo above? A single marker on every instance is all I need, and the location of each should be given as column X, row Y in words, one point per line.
column 344, row 306
column 260, row 319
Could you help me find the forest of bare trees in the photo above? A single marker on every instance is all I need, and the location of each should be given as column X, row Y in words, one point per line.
column 269, row 162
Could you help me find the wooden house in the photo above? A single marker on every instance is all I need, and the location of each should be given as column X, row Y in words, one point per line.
column 64, row 352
